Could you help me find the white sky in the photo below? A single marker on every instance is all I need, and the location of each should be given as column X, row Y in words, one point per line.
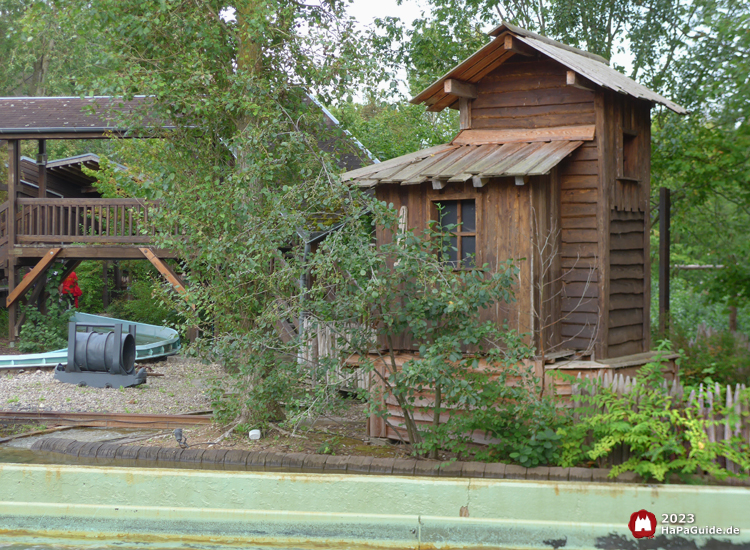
column 366, row 11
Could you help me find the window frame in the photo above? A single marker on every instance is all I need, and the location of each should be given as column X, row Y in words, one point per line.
column 459, row 233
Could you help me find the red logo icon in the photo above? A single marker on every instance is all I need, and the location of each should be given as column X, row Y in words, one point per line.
column 642, row 524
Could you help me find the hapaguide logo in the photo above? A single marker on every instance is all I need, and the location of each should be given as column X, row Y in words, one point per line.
column 642, row 524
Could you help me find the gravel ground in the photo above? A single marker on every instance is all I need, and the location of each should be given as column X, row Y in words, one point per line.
column 183, row 388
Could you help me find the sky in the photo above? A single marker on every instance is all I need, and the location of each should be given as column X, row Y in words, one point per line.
column 366, row 11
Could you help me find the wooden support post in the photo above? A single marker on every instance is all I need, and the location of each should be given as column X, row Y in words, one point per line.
column 664, row 222
column 41, row 163
column 164, row 269
column 14, row 183
column 464, row 113
column 35, row 274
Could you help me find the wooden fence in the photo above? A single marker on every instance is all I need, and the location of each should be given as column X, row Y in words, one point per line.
column 706, row 403
column 326, row 340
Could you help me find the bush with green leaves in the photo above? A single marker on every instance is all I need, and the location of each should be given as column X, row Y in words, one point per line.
column 405, row 289
column 143, row 301
column 46, row 332
column 663, row 434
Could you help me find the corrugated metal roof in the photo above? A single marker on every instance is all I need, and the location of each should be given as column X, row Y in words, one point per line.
column 494, row 54
column 600, row 74
column 460, row 163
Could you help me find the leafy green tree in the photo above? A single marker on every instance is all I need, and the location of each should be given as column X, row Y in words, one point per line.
column 242, row 178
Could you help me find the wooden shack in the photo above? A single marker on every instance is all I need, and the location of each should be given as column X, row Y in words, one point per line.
column 551, row 167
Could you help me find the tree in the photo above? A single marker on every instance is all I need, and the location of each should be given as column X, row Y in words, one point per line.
column 243, row 175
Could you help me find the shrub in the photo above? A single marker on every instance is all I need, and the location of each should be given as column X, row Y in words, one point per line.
column 662, row 434
column 721, row 357
column 41, row 333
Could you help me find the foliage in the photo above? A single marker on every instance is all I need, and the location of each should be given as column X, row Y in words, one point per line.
column 3, row 321
column 663, row 436
column 142, row 301
column 406, row 290
column 721, row 357
column 91, row 283
column 520, row 418
column 46, row 332
column 390, row 129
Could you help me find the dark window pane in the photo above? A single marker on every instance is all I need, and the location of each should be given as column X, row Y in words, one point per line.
column 468, row 217
column 468, row 250
column 449, row 213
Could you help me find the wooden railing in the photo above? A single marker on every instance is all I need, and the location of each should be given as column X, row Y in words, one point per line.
column 84, row 221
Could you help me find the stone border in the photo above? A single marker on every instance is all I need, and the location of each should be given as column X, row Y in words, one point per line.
column 319, row 463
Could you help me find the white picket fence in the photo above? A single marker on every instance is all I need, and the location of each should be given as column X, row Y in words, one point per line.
column 705, row 402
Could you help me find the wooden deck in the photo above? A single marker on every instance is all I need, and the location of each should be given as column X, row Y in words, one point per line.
column 70, row 230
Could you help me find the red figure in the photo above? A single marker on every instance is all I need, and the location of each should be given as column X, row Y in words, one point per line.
column 70, row 286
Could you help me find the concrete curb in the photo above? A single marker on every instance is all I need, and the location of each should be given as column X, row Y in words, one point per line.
column 221, row 459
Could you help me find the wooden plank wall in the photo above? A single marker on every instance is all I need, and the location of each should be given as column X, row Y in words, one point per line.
column 627, row 306
column 527, row 92
column 629, row 258
column 503, row 232
column 579, row 250
column 30, row 173
column 546, row 238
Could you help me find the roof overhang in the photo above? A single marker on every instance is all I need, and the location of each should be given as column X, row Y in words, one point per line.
column 478, row 155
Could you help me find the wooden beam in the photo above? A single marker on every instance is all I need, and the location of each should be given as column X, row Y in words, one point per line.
column 512, row 44
column 514, row 135
column 32, row 277
column 14, row 184
column 664, row 213
column 577, row 81
column 88, row 252
column 522, row 180
column 164, row 269
column 41, row 164
column 479, row 181
column 438, row 184
column 464, row 110
column 460, row 88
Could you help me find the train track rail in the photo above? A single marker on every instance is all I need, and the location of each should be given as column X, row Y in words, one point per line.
column 107, row 420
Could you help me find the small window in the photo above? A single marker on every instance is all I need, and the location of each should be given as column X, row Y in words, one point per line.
column 629, row 156
column 460, row 219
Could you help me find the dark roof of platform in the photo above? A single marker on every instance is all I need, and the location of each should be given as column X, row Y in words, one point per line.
column 67, row 117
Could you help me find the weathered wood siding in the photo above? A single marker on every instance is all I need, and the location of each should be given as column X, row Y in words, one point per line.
column 528, row 92
column 579, row 251
column 626, row 144
column 30, row 174
column 627, row 306
column 504, row 220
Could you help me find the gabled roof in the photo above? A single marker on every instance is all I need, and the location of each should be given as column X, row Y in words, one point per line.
column 588, row 65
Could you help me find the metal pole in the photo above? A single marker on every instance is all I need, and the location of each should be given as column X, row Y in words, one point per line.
column 664, row 223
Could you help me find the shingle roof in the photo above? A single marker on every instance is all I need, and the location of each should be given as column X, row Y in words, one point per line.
column 27, row 116
column 494, row 54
